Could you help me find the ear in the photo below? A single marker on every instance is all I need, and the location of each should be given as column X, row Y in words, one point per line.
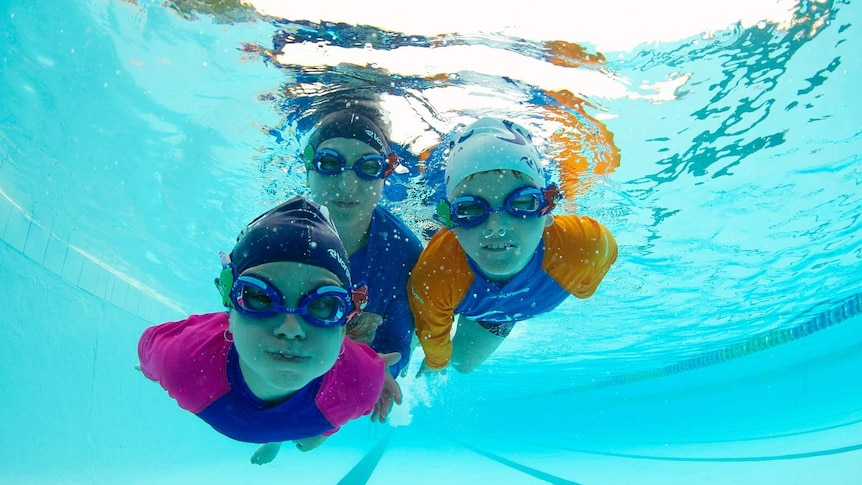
column 549, row 220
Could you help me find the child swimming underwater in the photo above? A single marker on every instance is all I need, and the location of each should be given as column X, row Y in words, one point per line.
column 502, row 257
column 277, row 366
column 348, row 157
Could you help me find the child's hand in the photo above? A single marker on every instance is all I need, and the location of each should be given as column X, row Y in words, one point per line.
column 363, row 328
column 391, row 390
column 424, row 370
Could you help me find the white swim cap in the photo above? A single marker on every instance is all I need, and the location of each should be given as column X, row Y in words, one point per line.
column 492, row 144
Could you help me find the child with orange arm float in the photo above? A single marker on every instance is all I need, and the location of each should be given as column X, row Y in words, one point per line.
column 502, row 257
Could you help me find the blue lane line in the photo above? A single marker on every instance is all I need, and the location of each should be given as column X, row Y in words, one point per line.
column 812, row 431
column 841, row 311
column 361, row 472
column 729, row 459
column 553, row 479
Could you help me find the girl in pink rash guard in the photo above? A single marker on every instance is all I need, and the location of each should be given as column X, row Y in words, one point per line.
column 277, row 366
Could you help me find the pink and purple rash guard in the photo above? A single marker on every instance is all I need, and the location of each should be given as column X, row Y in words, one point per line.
column 200, row 369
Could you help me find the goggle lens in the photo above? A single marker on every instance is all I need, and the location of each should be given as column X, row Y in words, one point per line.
column 470, row 211
column 326, row 306
column 329, row 163
column 368, row 167
column 467, row 210
column 253, row 299
column 527, row 204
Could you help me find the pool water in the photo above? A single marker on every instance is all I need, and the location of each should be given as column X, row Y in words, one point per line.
column 723, row 347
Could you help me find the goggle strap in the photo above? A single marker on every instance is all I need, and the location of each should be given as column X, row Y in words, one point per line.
column 392, row 164
column 227, row 277
column 308, row 155
column 551, row 194
column 444, row 214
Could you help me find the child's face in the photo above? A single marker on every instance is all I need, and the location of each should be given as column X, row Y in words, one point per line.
column 348, row 197
column 502, row 245
column 281, row 354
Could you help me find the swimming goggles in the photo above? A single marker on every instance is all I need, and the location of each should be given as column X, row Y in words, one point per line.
column 469, row 211
column 327, row 306
column 369, row 167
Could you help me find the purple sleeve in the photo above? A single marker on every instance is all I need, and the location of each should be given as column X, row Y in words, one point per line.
column 188, row 358
column 350, row 389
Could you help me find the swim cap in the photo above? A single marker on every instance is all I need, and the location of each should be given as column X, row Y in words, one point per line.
column 492, row 144
column 297, row 231
column 348, row 124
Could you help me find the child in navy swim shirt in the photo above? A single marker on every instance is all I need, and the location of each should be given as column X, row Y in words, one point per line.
column 348, row 159
column 278, row 365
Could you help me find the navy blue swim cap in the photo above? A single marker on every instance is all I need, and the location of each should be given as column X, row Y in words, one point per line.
column 351, row 125
column 297, row 231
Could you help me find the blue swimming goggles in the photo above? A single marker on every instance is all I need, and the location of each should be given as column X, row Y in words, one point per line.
column 369, row 167
column 469, row 211
column 327, row 306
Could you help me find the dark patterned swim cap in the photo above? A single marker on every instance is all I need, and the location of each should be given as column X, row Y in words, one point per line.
column 351, row 125
column 298, row 231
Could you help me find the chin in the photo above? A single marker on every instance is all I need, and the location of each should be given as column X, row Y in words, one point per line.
column 350, row 213
column 494, row 271
column 289, row 381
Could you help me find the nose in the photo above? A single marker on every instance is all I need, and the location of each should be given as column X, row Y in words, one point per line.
column 495, row 220
column 495, row 225
column 347, row 180
column 290, row 327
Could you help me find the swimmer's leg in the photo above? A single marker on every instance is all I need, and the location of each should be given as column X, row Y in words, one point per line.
column 308, row 444
column 266, row 453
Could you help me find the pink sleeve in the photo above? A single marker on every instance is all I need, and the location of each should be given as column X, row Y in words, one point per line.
column 188, row 358
column 350, row 389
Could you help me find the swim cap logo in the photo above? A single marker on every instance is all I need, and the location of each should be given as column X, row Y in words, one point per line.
column 468, row 135
column 334, row 254
column 376, row 138
column 518, row 137
column 531, row 163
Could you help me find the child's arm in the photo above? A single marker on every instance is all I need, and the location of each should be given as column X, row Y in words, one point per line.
column 437, row 285
column 391, row 392
column 579, row 251
column 355, row 384
column 363, row 329
column 396, row 333
column 424, row 370
column 433, row 326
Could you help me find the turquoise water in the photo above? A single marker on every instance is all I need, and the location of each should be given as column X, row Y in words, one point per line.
column 724, row 347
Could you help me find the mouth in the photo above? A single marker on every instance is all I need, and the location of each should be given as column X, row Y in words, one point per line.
column 288, row 357
column 345, row 204
column 499, row 247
